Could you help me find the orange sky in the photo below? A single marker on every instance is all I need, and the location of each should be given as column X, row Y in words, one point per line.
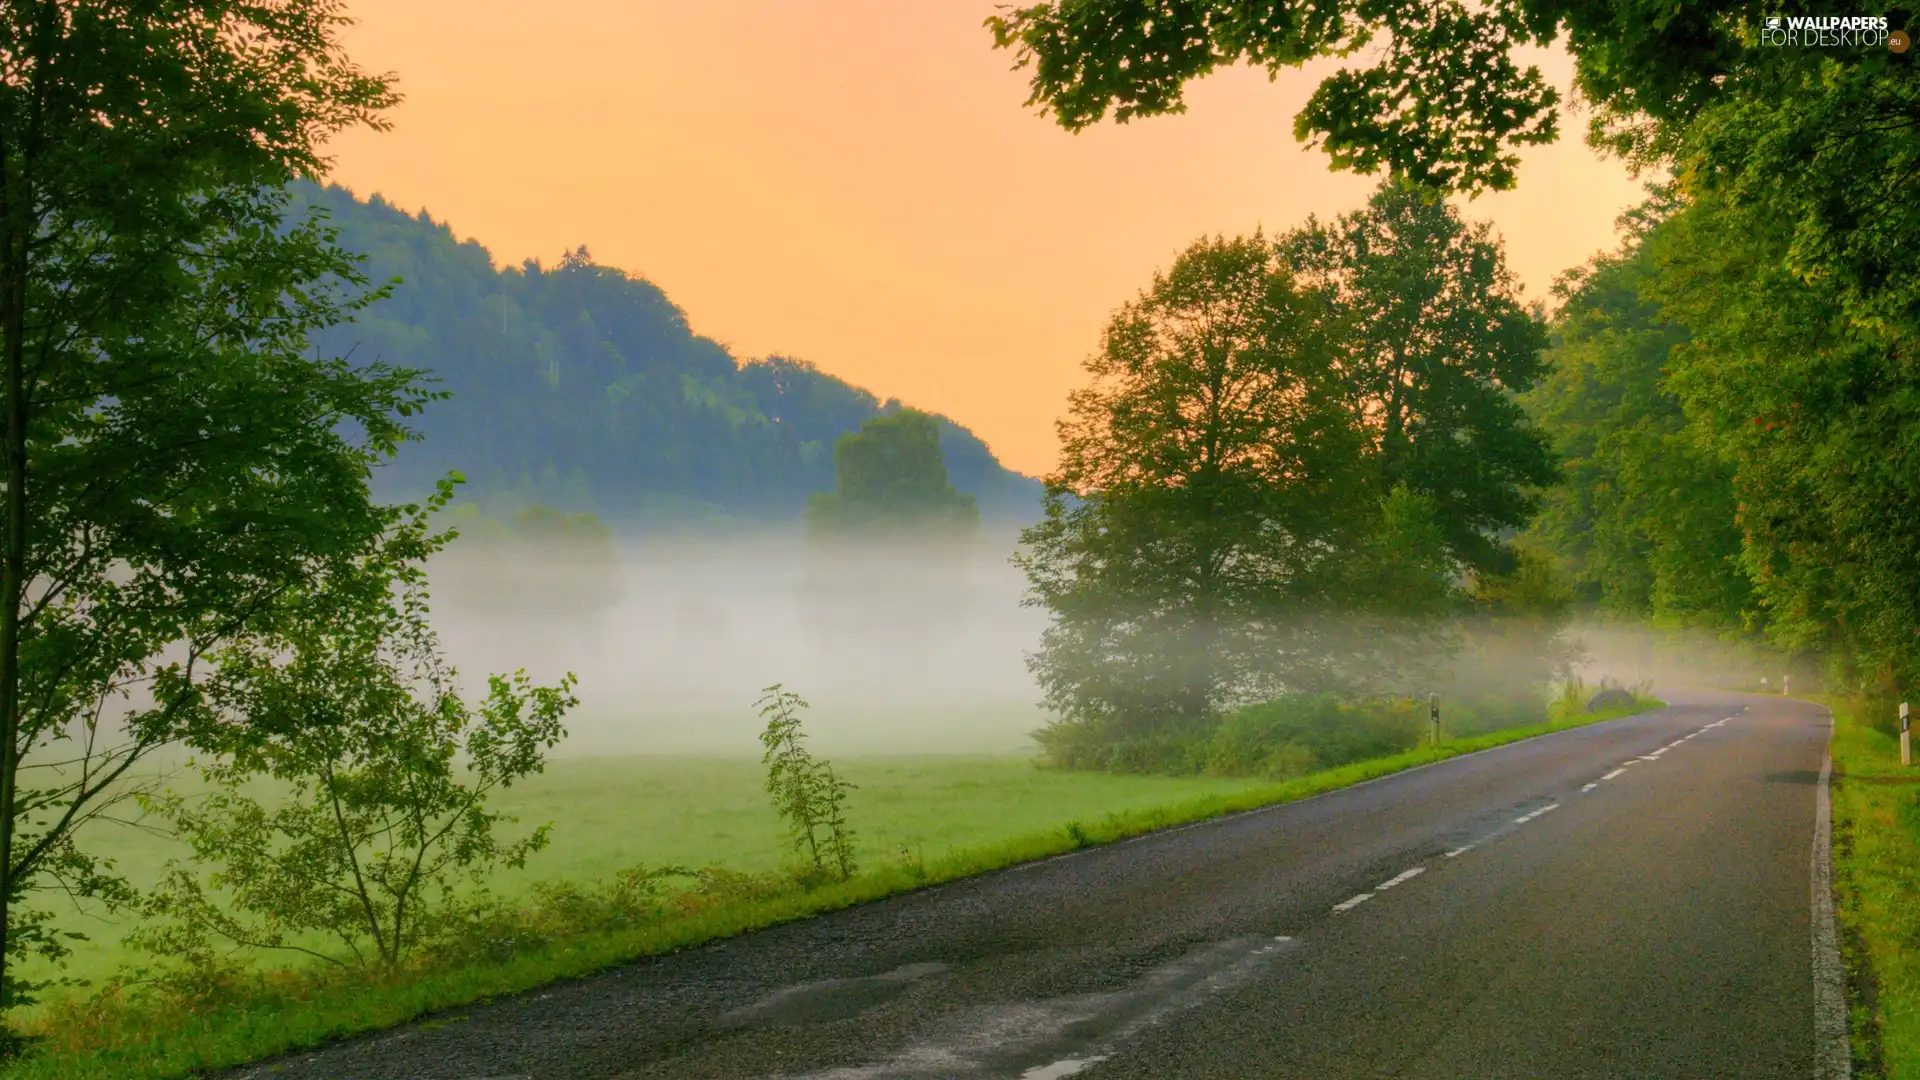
column 855, row 182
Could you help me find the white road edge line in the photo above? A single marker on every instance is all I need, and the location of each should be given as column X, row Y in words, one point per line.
column 1589, row 787
column 1459, row 851
column 1832, row 1049
column 1404, row 875
column 1353, row 902
column 1613, row 774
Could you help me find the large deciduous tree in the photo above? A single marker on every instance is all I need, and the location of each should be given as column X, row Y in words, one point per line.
column 1435, row 345
column 1210, row 475
column 176, row 458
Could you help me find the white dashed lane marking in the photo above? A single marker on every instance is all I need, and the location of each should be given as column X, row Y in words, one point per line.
column 1403, row 875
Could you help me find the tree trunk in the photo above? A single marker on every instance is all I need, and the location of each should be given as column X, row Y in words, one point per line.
column 13, row 534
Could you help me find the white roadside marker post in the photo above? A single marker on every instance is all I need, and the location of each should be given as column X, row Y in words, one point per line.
column 1906, row 747
column 1433, row 719
column 1785, row 680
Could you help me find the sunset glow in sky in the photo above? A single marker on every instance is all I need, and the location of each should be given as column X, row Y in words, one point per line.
column 857, row 183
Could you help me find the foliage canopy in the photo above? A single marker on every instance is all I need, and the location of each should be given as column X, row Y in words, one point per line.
column 176, row 456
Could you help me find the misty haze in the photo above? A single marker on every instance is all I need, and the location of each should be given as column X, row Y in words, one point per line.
column 896, row 652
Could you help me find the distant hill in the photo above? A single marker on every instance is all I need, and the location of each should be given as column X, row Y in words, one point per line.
column 582, row 386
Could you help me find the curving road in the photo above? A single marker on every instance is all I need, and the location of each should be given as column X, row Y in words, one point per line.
column 1626, row 900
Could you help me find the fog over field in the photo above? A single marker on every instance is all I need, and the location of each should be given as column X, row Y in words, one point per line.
column 897, row 648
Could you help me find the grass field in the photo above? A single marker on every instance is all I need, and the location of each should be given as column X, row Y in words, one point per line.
column 609, row 813
column 1876, row 830
column 961, row 815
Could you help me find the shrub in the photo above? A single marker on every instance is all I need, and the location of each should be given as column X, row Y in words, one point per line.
column 1295, row 733
column 384, row 840
column 805, row 789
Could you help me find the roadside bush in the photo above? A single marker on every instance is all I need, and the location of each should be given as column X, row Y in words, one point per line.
column 719, row 887
column 1463, row 718
column 1295, row 733
column 1074, row 744
column 1169, row 753
column 636, row 897
column 1285, row 737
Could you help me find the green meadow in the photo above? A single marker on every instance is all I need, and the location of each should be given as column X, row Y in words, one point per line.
column 610, row 813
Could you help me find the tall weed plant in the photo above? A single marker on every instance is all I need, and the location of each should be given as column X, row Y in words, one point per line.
column 806, row 791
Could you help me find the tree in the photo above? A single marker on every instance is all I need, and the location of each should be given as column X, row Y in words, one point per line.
column 1820, row 416
column 1446, row 103
column 1435, row 346
column 892, row 480
column 1210, row 475
column 176, row 459
column 1644, row 519
column 384, row 840
column 887, row 547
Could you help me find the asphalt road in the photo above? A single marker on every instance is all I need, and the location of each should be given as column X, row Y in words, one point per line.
column 1629, row 899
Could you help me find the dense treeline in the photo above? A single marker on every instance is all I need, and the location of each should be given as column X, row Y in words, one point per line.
column 1295, row 472
column 1738, row 400
column 582, row 386
column 1739, row 455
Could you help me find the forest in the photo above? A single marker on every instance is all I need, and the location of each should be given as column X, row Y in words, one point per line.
column 583, row 387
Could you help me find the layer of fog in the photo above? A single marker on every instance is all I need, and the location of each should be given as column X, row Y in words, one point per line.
column 1675, row 658
column 897, row 649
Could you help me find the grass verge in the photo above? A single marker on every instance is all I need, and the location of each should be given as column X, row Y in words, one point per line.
column 135, row 1040
column 1876, row 856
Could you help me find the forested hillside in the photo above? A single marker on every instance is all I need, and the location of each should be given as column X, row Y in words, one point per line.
column 582, row 386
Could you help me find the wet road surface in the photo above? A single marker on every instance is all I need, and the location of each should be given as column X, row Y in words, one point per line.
column 1629, row 899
